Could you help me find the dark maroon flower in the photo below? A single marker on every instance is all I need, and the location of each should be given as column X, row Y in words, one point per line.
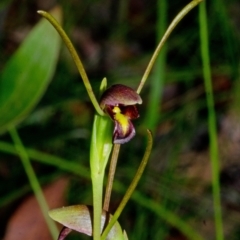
column 119, row 102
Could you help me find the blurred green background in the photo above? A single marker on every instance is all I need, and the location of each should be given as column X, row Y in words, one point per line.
column 115, row 39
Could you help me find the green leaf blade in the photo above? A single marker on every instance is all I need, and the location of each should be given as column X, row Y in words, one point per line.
column 79, row 218
column 28, row 73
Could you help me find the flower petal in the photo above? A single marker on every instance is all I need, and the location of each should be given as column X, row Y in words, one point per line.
column 123, row 130
column 119, row 95
column 130, row 111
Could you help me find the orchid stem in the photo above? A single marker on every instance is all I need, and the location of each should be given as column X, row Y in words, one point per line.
column 75, row 57
column 131, row 188
column 112, row 168
column 171, row 27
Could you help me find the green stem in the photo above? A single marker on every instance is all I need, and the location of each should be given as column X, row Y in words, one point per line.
column 112, row 169
column 33, row 181
column 211, row 121
column 131, row 188
column 75, row 57
column 100, row 149
column 97, row 183
column 173, row 24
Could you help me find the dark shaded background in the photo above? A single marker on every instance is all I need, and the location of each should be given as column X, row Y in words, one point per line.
column 115, row 39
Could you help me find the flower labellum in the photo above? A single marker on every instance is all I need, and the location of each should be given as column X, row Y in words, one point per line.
column 119, row 102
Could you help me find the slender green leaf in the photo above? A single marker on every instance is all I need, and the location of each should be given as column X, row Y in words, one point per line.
column 28, row 72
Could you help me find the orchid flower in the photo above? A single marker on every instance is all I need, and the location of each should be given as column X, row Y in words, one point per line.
column 119, row 102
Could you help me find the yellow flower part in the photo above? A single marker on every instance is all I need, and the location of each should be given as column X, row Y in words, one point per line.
column 122, row 120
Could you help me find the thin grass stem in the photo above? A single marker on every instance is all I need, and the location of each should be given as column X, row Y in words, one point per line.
column 212, row 123
column 171, row 27
column 33, row 181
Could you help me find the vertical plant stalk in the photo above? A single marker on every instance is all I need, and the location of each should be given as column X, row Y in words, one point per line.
column 100, row 149
column 157, row 83
column 97, row 183
column 112, row 169
column 211, row 121
column 33, row 181
column 173, row 24
column 131, row 188
column 75, row 57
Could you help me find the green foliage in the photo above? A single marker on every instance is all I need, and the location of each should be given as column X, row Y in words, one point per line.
column 28, row 73
column 22, row 84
